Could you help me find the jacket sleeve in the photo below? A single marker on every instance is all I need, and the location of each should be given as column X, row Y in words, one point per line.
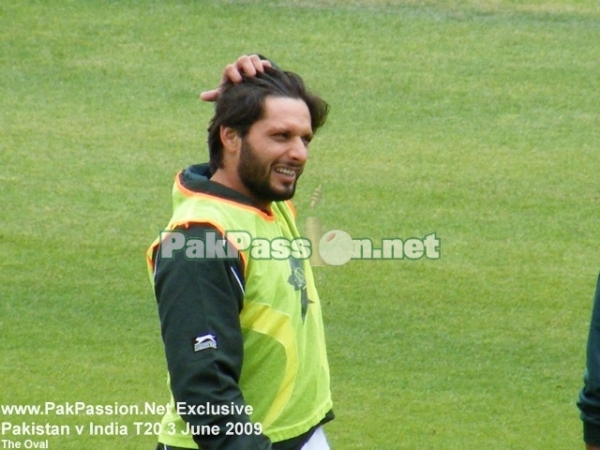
column 198, row 298
column 589, row 397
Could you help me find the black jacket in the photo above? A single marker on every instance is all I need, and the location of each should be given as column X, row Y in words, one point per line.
column 589, row 397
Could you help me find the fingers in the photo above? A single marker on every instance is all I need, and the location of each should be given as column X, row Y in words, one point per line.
column 249, row 65
column 210, row 96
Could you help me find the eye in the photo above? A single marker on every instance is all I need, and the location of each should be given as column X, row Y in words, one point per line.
column 306, row 140
column 281, row 136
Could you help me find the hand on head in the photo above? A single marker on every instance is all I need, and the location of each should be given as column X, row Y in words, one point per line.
column 247, row 64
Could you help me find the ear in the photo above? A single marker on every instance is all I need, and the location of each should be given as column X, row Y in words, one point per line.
column 231, row 140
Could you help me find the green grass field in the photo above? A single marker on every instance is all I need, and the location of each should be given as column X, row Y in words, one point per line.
column 475, row 119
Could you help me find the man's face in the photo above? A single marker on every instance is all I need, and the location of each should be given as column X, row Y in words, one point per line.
column 274, row 151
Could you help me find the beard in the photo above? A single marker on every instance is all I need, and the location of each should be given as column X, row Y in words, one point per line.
column 255, row 174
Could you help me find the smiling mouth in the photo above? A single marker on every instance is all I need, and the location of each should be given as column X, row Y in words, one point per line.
column 288, row 172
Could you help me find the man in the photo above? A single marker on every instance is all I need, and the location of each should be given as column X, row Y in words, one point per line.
column 589, row 397
column 240, row 315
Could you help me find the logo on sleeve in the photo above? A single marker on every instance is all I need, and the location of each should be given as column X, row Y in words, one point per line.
column 204, row 342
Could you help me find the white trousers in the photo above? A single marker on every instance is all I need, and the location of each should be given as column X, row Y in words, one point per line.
column 318, row 441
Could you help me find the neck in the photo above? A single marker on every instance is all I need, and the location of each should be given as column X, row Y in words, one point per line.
column 221, row 176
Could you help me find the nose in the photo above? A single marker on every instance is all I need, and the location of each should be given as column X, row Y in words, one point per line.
column 298, row 150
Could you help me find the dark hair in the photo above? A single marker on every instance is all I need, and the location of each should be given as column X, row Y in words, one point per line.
column 241, row 105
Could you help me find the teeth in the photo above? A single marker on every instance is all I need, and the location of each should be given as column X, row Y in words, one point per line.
column 285, row 171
